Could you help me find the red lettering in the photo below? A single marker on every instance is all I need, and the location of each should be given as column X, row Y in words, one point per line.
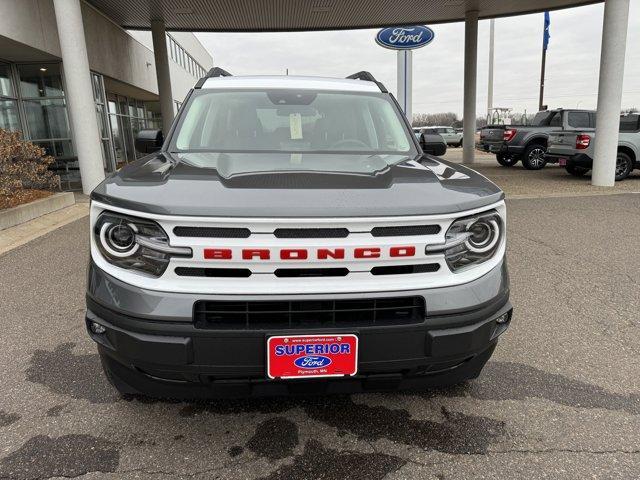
column 251, row 253
column 402, row 251
column 325, row 253
column 293, row 254
column 217, row 254
column 373, row 252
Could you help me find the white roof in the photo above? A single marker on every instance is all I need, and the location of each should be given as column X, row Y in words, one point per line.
column 291, row 82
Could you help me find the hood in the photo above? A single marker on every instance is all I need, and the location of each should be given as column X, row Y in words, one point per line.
column 296, row 185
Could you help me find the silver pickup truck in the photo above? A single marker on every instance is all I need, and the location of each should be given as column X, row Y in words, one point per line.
column 512, row 143
column 574, row 149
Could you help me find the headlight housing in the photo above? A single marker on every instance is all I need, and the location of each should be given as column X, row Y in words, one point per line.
column 135, row 243
column 472, row 240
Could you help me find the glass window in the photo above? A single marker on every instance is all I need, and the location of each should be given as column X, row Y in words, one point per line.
column 37, row 80
column 118, row 141
column 556, row 120
column 47, row 119
column 630, row 123
column 579, row 119
column 6, row 86
column 9, row 119
column 292, row 121
column 123, row 107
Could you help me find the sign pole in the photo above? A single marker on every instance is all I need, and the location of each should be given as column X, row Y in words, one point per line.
column 405, row 82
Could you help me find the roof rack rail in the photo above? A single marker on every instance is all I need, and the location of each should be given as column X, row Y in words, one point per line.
column 214, row 72
column 366, row 76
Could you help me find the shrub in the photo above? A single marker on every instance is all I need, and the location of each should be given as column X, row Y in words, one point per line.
column 24, row 165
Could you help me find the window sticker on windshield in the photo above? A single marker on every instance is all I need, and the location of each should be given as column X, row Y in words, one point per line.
column 296, row 158
column 295, row 126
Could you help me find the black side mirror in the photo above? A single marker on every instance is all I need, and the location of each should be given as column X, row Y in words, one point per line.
column 149, row 141
column 433, row 144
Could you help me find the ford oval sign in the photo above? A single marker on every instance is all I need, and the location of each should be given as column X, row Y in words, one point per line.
column 315, row 361
column 405, row 38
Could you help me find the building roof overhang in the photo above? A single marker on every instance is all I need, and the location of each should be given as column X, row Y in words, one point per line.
column 296, row 15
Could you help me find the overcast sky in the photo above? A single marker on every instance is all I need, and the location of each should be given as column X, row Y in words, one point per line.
column 572, row 59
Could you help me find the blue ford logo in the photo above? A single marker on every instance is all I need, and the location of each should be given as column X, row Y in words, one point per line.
column 312, row 361
column 405, row 38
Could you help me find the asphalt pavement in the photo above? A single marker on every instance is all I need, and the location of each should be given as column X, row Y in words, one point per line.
column 559, row 399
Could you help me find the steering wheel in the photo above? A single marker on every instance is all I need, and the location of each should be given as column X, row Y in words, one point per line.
column 350, row 141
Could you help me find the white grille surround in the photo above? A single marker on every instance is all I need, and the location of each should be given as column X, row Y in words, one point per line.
column 263, row 281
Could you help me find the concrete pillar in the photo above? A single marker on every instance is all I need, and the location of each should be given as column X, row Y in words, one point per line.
column 470, row 76
column 405, row 82
column 79, row 92
column 161, row 56
column 614, row 41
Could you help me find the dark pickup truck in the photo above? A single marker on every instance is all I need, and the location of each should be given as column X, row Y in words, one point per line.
column 511, row 143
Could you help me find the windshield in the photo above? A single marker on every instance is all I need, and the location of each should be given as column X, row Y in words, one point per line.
column 288, row 121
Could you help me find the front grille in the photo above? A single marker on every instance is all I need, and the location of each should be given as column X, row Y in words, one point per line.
column 242, row 232
column 408, row 230
column 213, row 272
column 405, row 269
column 311, row 233
column 308, row 313
column 311, row 272
column 211, row 232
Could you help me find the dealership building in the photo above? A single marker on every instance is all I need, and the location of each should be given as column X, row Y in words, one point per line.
column 66, row 61
column 39, row 95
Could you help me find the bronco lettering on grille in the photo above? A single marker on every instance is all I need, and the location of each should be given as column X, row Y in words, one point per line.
column 304, row 254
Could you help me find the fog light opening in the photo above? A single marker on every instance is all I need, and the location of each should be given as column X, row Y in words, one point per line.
column 97, row 328
column 502, row 319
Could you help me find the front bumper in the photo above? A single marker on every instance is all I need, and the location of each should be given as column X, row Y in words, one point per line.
column 164, row 354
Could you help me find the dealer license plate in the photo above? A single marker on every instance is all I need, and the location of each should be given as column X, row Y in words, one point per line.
column 304, row 356
column 562, row 162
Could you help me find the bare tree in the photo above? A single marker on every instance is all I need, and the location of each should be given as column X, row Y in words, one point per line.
column 431, row 119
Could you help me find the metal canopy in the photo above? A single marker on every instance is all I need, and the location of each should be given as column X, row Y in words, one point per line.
column 291, row 15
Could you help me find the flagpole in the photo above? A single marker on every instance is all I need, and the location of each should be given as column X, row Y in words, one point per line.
column 544, row 61
column 545, row 42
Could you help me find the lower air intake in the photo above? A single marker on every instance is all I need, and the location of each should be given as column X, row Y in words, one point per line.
column 259, row 315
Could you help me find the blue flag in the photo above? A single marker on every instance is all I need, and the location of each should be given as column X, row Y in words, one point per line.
column 546, row 35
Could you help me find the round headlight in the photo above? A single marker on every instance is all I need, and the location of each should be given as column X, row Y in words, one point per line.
column 484, row 235
column 119, row 239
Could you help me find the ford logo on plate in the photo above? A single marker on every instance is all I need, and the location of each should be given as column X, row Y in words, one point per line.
column 405, row 38
column 312, row 361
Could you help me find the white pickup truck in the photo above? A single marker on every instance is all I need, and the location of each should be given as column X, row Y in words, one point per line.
column 574, row 149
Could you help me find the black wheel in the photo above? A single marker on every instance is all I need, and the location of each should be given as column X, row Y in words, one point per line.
column 576, row 171
column 624, row 165
column 506, row 161
column 533, row 157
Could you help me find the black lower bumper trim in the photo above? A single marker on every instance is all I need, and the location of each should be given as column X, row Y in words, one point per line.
column 144, row 353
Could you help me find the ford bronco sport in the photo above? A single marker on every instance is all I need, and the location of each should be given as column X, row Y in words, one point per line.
column 289, row 235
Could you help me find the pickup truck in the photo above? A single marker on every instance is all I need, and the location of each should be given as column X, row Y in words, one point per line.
column 574, row 149
column 291, row 235
column 512, row 143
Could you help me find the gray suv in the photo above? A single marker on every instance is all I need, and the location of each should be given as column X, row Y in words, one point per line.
column 289, row 235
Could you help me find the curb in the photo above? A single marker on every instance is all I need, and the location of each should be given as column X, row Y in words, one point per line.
column 23, row 213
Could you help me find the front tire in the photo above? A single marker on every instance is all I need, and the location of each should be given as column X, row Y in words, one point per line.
column 624, row 166
column 576, row 171
column 533, row 157
column 506, row 161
